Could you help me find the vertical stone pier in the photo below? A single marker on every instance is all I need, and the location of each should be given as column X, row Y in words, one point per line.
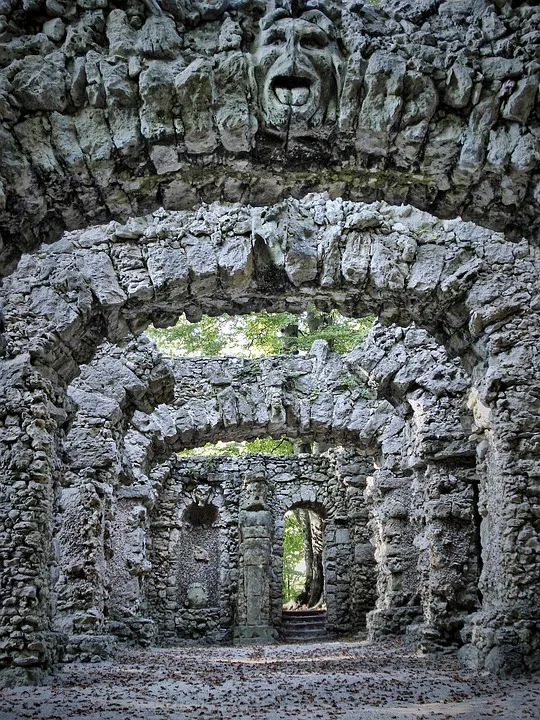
column 256, row 529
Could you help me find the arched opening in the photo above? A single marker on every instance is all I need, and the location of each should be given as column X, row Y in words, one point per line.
column 304, row 614
column 100, row 122
column 294, row 562
column 303, row 549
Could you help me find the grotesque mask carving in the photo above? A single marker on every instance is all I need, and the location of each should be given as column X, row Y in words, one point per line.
column 255, row 490
column 297, row 68
column 202, row 494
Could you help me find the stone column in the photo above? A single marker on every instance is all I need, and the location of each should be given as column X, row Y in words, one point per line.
column 30, row 411
column 92, row 451
column 505, row 635
column 256, row 529
column 105, row 395
column 448, row 553
column 363, row 579
column 398, row 595
column 128, row 567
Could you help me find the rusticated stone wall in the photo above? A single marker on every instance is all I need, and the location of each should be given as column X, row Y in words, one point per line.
column 195, row 589
column 110, row 111
column 413, row 372
column 320, row 397
column 104, row 397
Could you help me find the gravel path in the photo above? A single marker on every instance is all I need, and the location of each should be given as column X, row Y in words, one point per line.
column 324, row 681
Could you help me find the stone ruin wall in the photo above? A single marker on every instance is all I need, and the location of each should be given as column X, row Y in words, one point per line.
column 407, row 367
column 471, row 287
column 332, row 484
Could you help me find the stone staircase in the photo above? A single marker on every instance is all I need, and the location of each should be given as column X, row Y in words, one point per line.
column 303, row 625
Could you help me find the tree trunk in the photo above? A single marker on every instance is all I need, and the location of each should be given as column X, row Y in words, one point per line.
column 312, row 527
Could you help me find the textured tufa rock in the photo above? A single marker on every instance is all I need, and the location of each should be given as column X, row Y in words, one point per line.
column 415, row 105
column 109, row 113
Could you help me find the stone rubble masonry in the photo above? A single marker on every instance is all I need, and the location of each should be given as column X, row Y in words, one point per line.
column 322, row 482
column 109, row 112
column 475, row 291
column 118, row 382
column 208, row 380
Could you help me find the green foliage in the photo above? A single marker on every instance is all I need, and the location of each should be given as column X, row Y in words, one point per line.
column 260, row 333
column 207, row 337
column 346, row 380
column 283, row 446
column 340, row 332
column 293, row 554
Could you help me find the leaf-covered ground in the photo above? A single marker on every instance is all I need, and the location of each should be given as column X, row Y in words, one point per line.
column 326, row 681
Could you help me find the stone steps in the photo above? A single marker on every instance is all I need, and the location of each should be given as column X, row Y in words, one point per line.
column 303, row 625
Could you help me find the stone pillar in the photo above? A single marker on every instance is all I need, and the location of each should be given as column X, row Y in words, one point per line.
column 337, row 555
column 30, row 410
column 79, row 587
column 398, row 594
column 505, row 635
column 448, row 552
column 363, row 579
column 92, row 452
column 129, row 563
column 256, row 528
column 105, row 395
column 128, row 566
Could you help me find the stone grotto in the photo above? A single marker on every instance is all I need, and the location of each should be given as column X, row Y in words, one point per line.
column 162, row 157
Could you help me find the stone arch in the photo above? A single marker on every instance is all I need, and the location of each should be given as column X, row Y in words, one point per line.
column 307, row 497
column 447, row 130
column 401, row 374
column 87, row 285
column 316, row 518
column 404, row 372
column 101, row 120
column 403, row 265
column 317, row 397
column 314, row 523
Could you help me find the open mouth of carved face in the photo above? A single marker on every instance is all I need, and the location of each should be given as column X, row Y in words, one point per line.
column 291, row 90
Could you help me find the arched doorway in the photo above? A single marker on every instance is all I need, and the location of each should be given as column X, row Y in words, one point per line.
column 304, row 603
column 303, row 548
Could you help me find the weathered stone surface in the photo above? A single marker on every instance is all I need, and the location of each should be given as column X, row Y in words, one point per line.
column 107, row 114
column 408, row 100
column 40, row 83
column 249, row 539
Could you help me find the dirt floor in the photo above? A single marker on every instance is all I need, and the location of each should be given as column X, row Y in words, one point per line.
column 324, row 681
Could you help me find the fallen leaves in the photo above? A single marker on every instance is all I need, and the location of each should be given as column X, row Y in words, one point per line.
column 326, row 681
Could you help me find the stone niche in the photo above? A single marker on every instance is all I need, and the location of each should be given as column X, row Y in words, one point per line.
column 198, row 588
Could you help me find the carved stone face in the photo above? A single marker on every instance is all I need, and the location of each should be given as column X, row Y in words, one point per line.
column 296, row 67
column 255, row 490
column 202, row 494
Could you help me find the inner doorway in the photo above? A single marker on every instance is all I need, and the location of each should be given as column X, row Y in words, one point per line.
column 304, row 603
column 303, row 573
